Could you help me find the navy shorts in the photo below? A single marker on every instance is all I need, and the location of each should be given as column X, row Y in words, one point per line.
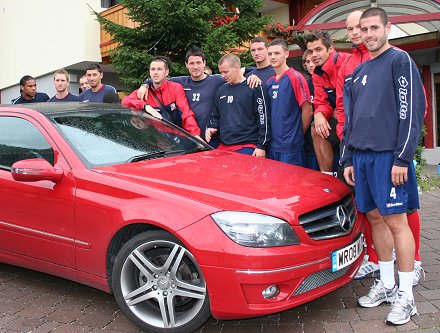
column 296, row 158
column 372, row 173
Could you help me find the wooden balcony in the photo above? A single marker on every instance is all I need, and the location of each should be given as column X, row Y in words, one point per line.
column 117, row 14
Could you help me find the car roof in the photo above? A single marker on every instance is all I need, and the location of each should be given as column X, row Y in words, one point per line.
column 55, row 107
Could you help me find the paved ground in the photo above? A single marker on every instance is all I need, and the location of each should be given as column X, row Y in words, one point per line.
column 38, row 303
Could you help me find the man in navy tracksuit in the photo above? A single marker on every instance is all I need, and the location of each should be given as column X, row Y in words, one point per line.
column 240, row 113
column 386, row 106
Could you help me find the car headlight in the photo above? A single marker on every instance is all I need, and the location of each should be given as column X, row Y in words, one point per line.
column 255, row 230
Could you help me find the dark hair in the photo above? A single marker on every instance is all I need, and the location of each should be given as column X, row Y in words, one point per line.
column 164, row 59
column 259, row 39
column 279, row 41
column 195, row 52
column 375, row 11
column 111, row 97
column 315, row 35
column 93, row 67
column 24, row 79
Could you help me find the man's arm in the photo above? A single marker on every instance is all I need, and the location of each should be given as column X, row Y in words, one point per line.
column 213, row 122
column 262, row 108
column 412, row 105
column 142, row 92
column 346, row 159
column 306, row 115
column 323, row 110
column 133, row 101
column 320, row 99
column 340, row 115
column 253, row 81
column 302, row 96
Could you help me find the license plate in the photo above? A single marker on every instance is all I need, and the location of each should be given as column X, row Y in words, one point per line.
column 347, row 255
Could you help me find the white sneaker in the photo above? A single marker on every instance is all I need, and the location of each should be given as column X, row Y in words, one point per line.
column 418, row 271
column 377, row 295
column 366, row 269
column 401, row 310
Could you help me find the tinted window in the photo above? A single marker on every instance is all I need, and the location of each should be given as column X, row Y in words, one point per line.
column 115, row 137
column 20, row 140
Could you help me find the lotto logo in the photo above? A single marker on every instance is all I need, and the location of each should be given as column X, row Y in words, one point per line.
column 403, row 92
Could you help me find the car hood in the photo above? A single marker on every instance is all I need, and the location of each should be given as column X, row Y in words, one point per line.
column 231, row 181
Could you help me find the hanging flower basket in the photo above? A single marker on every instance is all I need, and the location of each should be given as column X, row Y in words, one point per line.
column 278, row 30
column 219, row 21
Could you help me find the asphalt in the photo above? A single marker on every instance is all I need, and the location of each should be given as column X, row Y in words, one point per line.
column 39, row 303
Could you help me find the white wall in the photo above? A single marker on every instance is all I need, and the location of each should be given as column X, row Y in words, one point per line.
column 39, row 36
column 280, row 15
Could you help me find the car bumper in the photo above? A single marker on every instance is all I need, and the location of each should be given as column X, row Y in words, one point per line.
column 236, row 275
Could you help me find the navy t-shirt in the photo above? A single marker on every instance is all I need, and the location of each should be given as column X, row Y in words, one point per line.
column 69, row 98
column 200, row 95
column 264, row 74
column 39, row 97
column 241, row 114
column 90, row 96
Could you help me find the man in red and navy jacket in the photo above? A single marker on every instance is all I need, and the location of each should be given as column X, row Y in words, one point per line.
column 169, row 95
column 324, row 78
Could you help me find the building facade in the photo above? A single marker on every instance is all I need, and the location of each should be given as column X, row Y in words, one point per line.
column 40, row 36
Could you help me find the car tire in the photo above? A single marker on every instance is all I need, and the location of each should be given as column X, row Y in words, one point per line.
column 158, row 284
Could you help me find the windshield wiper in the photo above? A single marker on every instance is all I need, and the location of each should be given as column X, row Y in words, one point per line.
column 196, row 149
column 155, row 154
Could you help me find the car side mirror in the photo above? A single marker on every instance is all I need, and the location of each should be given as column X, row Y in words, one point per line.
column 36, row 169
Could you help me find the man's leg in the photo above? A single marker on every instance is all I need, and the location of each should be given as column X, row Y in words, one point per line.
column 403, row 242
column 414, row 225
column 381, row 234
column 384, row 289
column 403, row 307
column 323, row 151
column 370, row 263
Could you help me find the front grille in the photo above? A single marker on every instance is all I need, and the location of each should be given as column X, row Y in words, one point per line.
column 328, row 222
column 319, row 279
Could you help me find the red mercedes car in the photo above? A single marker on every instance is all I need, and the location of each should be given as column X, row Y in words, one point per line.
column 177, row 231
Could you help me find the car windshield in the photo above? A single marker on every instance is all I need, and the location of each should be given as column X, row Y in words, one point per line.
column 110, row 137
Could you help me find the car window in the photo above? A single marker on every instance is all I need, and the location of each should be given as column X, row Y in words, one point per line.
column 20, row 140
column 108, row 138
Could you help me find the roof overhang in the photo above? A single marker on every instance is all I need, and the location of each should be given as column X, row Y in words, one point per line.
column 416, row 23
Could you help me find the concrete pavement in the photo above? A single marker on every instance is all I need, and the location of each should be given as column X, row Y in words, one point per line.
column 39, row 303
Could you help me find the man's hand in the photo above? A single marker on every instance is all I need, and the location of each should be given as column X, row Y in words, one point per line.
column 209, row 133
column 322, row 126
column 153, row 111
column 259, row 152
column 253, row 81
column 199, row 137
column 142, row 92
column 399, row 175
column 349, row 175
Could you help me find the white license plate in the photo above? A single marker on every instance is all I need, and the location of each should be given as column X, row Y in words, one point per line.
column 347, row 255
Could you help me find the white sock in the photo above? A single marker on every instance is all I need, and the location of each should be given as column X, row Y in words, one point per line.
column 327, row 173
column 406, row 283
column 387, row 274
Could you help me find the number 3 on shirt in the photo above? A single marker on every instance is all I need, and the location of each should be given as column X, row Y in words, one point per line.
column 393, row 193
